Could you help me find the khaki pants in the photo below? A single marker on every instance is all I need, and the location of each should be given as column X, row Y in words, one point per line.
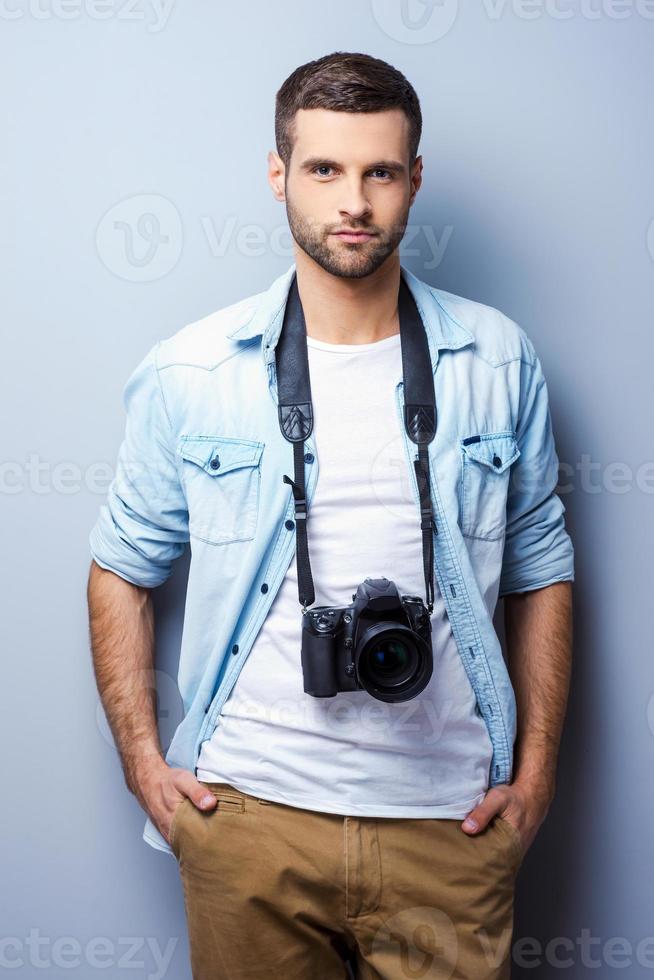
column 276, row 891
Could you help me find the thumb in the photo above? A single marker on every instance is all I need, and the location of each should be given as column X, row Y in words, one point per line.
column 478, row 819
column 199, row 795
column 202, row 798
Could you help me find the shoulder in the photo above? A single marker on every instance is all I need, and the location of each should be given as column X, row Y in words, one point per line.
column 204, row 343
column 497, row 339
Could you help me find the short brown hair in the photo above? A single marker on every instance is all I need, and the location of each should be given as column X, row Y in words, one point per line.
column 345, row 82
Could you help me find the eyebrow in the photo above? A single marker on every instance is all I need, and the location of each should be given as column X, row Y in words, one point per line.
column 312, row 162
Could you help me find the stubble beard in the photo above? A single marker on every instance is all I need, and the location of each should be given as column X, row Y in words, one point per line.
column 346, row 260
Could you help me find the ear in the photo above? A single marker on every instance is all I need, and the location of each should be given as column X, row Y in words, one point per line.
column 415, row 179
column 276, row 175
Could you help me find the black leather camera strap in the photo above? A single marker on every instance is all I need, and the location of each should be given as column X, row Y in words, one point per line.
column 296, row 420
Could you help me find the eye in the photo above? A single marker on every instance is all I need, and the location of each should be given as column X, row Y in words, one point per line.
column 382, row 172
column 319, row 170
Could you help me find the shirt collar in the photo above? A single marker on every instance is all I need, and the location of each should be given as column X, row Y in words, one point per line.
column 443, row 329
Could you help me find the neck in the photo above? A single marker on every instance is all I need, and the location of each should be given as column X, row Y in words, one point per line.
column 349, row 311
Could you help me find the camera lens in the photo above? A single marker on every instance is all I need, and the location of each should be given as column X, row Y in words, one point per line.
column 389, row 658
column 393, row 662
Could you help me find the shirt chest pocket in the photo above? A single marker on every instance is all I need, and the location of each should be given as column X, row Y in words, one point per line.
column 221, row 478
column 486, row 467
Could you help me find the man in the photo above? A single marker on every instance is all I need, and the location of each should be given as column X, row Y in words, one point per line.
column 310, row 831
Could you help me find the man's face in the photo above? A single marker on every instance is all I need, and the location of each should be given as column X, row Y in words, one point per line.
column 349, row 173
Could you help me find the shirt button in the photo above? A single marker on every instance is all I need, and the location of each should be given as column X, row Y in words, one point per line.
column 235, row 648
column 289, row 524
column 215, row 463
column 497, row 461
column 308, row 457
column 264, row 587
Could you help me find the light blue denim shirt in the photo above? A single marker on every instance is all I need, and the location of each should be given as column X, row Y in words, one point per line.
column 203, row 458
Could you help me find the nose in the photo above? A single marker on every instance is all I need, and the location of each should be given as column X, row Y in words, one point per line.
column 355, row 204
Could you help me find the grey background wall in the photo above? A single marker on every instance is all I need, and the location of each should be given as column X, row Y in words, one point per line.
column 538, row 199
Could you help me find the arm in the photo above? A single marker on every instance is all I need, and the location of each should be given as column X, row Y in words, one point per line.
column 141, row 530
column 537, row 572
column 539, row 647
column 121, row 624
column 538, row 627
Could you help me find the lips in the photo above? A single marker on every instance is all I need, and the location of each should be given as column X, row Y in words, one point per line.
column 354, row 236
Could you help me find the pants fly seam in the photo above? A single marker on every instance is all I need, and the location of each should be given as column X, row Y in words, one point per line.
column 347, row 897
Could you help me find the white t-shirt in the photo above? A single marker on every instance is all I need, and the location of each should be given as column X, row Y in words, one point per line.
column 353, row 754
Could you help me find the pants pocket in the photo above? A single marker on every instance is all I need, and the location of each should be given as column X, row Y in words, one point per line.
column 229, row 798
column 514, row 836
column 172, row 834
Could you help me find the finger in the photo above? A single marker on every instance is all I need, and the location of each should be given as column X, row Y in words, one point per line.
column 203, row 799
column 479, row 818
column 199, row 795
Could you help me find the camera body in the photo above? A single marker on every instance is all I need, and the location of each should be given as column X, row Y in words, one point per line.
column 380, row 643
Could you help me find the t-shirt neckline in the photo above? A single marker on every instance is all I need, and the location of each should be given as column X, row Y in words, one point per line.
column 392, row 341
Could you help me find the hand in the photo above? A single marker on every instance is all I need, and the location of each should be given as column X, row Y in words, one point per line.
column 162, row 788
column 522, row 805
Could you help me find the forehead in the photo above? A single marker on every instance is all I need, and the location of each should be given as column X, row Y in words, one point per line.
column 352, row 135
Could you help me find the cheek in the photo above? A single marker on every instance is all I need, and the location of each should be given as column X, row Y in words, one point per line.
column 315, row 206
column 390, row 205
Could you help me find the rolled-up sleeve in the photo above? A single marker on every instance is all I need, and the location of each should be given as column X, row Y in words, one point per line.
column 143, row 526
column 538, row 550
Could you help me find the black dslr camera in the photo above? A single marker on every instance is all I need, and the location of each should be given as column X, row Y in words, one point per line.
column 381, row 644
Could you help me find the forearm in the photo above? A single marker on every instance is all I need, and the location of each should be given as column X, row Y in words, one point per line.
column 538, row 627
column 121, row 623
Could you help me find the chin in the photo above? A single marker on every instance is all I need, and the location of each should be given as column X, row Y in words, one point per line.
column 353, row 266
